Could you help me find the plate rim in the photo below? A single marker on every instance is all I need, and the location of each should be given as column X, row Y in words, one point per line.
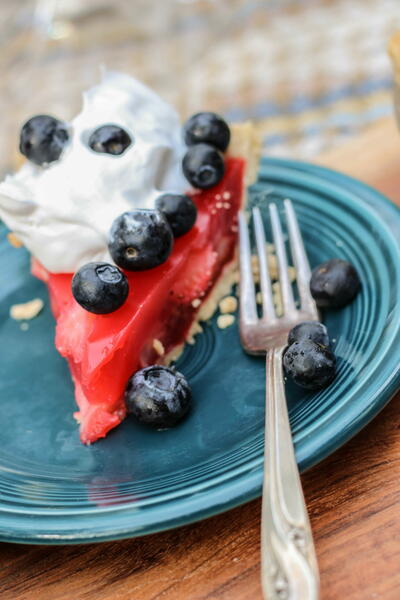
column 236, row 490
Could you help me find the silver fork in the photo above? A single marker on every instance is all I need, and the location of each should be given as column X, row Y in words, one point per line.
column 289, row 569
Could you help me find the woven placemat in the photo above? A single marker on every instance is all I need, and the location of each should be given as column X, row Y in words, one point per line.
column 310, row 72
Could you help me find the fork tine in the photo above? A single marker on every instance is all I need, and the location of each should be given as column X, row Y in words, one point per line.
column 286, row 287
column 265, row 280
column 248, row 306
column 303, row 272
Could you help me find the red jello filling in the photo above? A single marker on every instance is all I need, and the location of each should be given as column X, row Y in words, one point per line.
column 104, row 350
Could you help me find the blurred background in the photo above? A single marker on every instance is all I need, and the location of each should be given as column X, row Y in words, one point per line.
column 310, row 72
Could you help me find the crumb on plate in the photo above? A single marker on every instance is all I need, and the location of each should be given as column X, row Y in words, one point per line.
column 14, row 240
column 225, row 321
column 228, row 305
column 27, row 310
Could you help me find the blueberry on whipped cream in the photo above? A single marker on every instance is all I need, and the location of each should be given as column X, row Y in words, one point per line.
column 109, row 139
column 42, row 139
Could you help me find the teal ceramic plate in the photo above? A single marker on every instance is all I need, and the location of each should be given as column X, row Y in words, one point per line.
column 136, row 481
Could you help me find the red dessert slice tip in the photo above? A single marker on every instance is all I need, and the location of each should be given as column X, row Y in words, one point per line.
column 103, row 351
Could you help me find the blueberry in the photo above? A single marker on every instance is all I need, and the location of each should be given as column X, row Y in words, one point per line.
column 179, row 210
column 109, row 139
column 309, row 330
column 141, row 239
column 207, row 127
column 310, row 365
column 42, row 139
column 100, row 287
column 203, row 166
column 158, row 396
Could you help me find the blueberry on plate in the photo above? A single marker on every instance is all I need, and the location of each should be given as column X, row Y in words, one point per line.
column 309, row 330
column 140, row 239
column 334, row 283
column 179, row 210
column 100, row 288
column 42, row 139
column 109, row 139
column 310, row 365
column 207, row 127
column 158, row 396
column 203, row 166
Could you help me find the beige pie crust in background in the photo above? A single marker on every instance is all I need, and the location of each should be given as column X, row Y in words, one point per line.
column 394, row 53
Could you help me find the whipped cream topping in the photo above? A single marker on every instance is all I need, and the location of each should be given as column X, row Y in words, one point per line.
column 63, row 212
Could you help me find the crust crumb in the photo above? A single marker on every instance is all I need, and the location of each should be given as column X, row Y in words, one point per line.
column 27, row 310
column 272, row 265
column 235, row 277
column 196, row 302
column 292, row 273
column 158, row 347
column 14, row 240
column 228, row 305
column 255, row 268
column 277, row 298
column 225, row 321
column 196, row 328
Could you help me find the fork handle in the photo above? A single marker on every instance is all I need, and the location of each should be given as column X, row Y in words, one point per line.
column 289, row 569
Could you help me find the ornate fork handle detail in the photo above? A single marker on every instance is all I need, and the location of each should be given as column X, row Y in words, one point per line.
column 288, row 561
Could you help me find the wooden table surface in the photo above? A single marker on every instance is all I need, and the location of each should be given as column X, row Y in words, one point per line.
column 353, row 499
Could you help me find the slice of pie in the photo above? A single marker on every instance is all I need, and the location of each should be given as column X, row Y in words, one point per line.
column 62, row 212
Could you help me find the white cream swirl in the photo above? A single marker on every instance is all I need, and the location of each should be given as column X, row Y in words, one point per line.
column 62, row 213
